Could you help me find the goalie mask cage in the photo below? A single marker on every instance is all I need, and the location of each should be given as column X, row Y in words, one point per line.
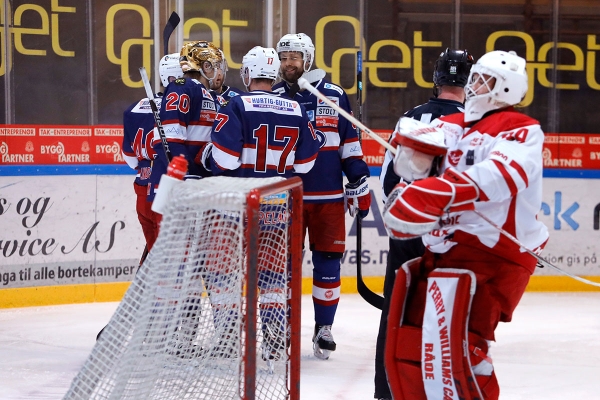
column 213, row 312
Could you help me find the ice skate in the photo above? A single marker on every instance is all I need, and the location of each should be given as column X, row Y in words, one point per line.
column 273, row 344
column 323, row 343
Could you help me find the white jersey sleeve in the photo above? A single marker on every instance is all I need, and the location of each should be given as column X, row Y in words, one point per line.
column 505, row 160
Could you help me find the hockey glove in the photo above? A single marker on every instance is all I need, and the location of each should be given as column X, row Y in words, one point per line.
column 358, row 198
column 417, row 208
column 418, row 147
column 203, row 155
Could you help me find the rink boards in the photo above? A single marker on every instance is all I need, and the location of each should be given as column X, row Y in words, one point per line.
column 76, row 238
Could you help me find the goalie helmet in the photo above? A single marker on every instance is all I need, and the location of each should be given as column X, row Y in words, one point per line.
column 259, row 63
column 497, row 80
column 194, row 54
column 299, row 42
column 169, row 68
column 452, row 68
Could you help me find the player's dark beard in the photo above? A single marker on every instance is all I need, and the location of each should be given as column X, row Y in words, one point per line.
column 292, row 76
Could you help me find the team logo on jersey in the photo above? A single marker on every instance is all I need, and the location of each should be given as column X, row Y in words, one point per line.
column 321, row 137
column 454, row 157
column 179, row 81
column 206, row 94
column 311, row 114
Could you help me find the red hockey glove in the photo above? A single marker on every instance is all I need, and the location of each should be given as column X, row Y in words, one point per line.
column 417, row 208
column 358, row 198
column 394, row 234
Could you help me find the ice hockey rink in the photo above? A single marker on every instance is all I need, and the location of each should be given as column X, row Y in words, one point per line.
column 551, row 350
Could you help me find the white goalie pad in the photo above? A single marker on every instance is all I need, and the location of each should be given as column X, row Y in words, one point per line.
column 445, row 363
column 419, row 144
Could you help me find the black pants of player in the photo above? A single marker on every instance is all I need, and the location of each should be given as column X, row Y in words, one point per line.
column 400, row 252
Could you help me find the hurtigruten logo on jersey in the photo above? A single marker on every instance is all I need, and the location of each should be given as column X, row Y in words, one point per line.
column 9, row 158
column 58, row 150
column 113, row 150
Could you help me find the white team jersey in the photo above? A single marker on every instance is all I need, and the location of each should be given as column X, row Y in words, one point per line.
column 502, row 154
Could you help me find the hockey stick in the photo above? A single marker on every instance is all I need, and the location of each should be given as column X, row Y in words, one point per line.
column 304, row 84
column 370, row 297
column 169, row 28
column 159, row 127
column 312, row 76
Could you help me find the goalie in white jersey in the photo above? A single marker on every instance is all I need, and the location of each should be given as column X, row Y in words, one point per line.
column 493, row 166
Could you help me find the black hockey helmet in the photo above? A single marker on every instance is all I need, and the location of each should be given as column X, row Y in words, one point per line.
column 452, row 68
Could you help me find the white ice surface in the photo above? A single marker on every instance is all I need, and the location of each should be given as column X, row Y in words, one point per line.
column 550, row 351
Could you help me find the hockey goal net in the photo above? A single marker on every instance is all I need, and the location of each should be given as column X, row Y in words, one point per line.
column 213, row 313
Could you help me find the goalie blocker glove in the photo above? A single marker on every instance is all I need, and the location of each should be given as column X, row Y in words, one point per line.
column 415, row 209
column 358, row 198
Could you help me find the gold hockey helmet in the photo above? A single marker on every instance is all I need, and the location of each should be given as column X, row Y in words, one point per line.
column 194, row 54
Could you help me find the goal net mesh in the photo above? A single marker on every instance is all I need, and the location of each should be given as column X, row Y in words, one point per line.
column 210, row 313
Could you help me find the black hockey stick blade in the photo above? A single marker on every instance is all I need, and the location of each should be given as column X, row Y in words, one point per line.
column 169, row 28
column 370, row 297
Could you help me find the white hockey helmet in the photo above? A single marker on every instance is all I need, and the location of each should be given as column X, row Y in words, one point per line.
column 298, row 42
column 509, row 88
column 260, row 63
column 169, row 68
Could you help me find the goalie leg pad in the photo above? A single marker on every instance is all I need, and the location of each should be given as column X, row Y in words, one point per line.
column 403, row 342
column 447, row 370
column 430, row 361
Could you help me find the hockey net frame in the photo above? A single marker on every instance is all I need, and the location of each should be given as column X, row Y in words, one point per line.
column 179, row 335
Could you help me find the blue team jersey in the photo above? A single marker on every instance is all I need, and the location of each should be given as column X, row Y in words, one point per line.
column 138, row 123
column 260, row 134
column 187, row 114
column 340, row 148
column 229, row 92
